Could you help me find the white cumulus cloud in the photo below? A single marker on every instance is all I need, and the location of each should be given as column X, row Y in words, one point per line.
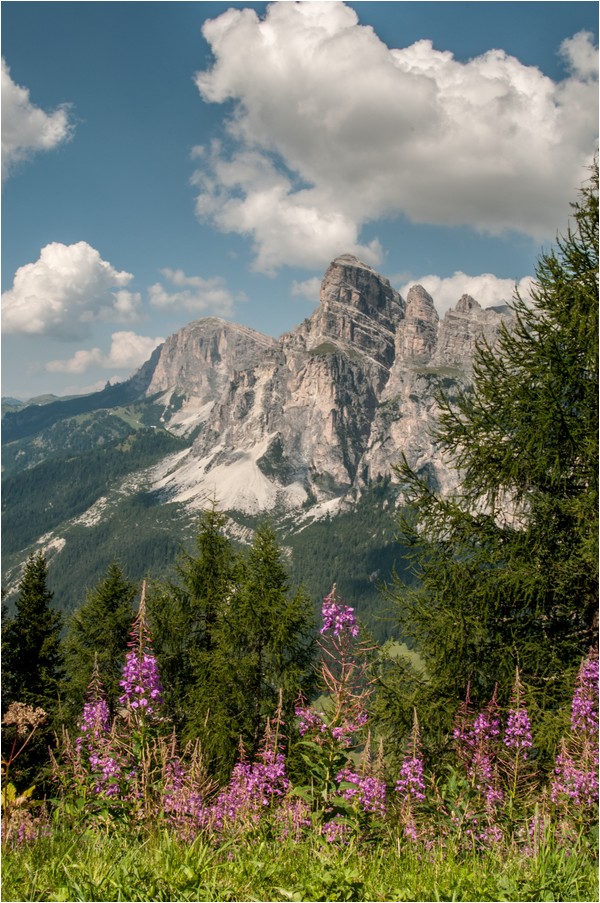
column 332, row 129
column 65, row 291
column 27, row 129
column 194, row 294
column 127, row 352
column 487, row 289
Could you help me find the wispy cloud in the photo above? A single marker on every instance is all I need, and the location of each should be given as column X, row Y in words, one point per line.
column 27, row 129
column 63, row 292
column 127, row 352
column 307, row 290
column 332, row 130
column 194, row 294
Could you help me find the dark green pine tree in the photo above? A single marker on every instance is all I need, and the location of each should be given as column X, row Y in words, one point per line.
column 99, row 628
column 33, row 663
column 32, row 648
column 184, row 617
column 508, row 568
column 266, row 644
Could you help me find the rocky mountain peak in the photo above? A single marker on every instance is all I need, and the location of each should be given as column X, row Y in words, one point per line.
column 419, row 303
column 417, row 334
column 192, row 367
column 466, row 303
column 359, row 312
column 350, row 282
column 191, row 360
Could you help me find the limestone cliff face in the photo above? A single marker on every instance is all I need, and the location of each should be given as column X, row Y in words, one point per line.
column 462, row 327
column 326, row 409
column 193, row 367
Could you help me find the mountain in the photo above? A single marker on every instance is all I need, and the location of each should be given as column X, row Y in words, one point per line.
column 301, row 428
column 328, row 408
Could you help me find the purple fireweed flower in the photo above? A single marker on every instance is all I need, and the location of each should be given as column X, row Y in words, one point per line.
column 486, row 727
column 251, row 789
column 575, row 780
column 309, row 719
column 578, row 785
column 142, row 690
column 95, row 721
column 141, row 685
column 410, row 784
column 368, row 791
column 337, row 617
column 335, row 831
column 518, row 732
column 584, row 709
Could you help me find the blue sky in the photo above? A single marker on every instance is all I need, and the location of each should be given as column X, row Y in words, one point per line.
column 168, row 161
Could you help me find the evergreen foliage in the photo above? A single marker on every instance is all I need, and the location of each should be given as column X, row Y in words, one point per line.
column 32, row 661
column 184, row 615
column 32, row 653
column 266, row 640
column 508, row 567
column 229, row 639
column 98, row 632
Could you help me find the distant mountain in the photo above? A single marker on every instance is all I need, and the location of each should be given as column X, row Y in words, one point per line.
column 329, row 407
column 301, row 428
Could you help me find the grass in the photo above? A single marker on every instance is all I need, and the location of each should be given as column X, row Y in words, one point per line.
column 117, row 866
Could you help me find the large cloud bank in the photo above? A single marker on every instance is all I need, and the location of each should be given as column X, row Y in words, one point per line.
column 331, row 129
column 65, row 291
column 26, row 129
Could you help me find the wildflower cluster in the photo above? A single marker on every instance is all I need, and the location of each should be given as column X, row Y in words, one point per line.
column 24, row 717
column 129, row 767
column 142, row 690
column 338, row 618
column 575, row 781
column 476, row 741
column 253, row 787
column 410, row 786
column 518, row 732
column 94, row 744
column 366, row 790
column 141, row 685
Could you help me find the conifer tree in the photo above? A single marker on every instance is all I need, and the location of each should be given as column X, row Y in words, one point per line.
column 184, row 616
column 32, row 651
column 508, row 566
column 229, row 639
column 99, row 628
column 267, row 638
column 33, row 662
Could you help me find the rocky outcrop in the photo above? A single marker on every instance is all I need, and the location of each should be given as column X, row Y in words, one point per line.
column 417, row 335
column 193, row 367
column 329, row 407
column 462, row 328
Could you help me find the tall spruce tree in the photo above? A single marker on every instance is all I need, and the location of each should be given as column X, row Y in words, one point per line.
column 32, row 661
column 98, row 630
column 32, row 648
column 266, row 643
column 229, row 638
column 508, row 567
column 184, row 616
